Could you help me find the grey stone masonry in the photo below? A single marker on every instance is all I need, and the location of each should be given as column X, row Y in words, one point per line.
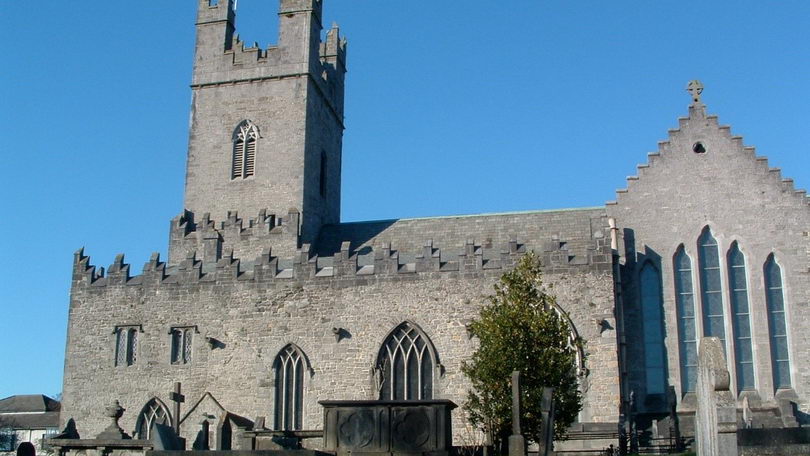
column 291, row 93
column 243, row 318
column 703, row 176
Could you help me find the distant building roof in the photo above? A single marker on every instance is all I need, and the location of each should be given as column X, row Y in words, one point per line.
column 29, row 411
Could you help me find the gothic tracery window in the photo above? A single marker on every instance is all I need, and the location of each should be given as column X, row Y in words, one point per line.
column 243, row 164
column 126, row 345
column 153, row 413
column 289, row 368
column 406, row 361
column 777, row 326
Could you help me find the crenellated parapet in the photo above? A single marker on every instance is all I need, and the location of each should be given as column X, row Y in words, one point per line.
column 207, row 239
column 223, row 57
column 380, row 262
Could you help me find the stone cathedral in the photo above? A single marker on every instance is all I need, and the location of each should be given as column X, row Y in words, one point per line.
column 268, row 303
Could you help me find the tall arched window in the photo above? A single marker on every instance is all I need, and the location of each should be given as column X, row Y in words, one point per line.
column 154, row 412
column 738, row 292
column 405, row 363
column 777, row 326
column 685, row 307
column 651, row 306
column 711, row 290
column 244, row 150
column 289, row 367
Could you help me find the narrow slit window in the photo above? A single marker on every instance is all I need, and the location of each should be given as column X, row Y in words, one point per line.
column 323, row 175
column 777, row 325
column 685, row 307
column 741, row 323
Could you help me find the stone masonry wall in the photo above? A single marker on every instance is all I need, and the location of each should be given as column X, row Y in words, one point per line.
column 735, row 193
column 254, row 319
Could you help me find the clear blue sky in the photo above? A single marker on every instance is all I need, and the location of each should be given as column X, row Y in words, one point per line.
column 452, row 107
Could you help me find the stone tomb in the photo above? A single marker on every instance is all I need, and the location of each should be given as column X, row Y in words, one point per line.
column 384, row 427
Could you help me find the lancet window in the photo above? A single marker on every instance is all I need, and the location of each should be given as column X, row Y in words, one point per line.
column 777, row 326
column 405, row 364
column 685, row 307
column 244, row 150
column 289, row 367
column 741, row 322
column 711, row 291
column 651, row 309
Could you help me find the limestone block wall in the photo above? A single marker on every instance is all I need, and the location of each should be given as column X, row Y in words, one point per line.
column 725, row 187
column 253, row 318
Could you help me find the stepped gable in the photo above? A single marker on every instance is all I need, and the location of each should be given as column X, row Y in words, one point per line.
column 702, row 146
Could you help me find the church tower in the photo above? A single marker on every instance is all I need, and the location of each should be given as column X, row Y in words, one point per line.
column 266, row 124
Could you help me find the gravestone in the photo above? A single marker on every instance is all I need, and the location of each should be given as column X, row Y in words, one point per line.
column 546, row 445
column 716, row 417
column 517, row 444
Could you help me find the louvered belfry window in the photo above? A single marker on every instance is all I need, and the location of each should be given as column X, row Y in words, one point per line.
column 244, row 150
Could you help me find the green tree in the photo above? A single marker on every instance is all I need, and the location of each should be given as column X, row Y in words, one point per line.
column 522, row 329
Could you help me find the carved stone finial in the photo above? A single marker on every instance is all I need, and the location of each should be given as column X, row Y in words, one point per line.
column 695, row 88
column 114, row 432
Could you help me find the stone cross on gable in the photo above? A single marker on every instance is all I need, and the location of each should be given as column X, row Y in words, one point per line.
column 178, row 399
column 695, row 88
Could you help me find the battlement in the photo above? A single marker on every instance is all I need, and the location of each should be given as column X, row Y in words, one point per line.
column 382, row 261
column 222, row 57
column 207, row 239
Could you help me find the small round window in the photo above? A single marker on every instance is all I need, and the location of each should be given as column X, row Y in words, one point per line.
column 699, row 148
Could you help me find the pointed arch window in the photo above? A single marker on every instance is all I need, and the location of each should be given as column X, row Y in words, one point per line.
column 711, row 291
column 126, row 345
column 685, row 308
column 245, row 138
column 777, row 326
column 289, row 368
column 405, row 362
column 741, row 322
column 651, row 310
column 153, row 413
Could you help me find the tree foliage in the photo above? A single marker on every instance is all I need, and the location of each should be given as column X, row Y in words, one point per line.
column 522, row 329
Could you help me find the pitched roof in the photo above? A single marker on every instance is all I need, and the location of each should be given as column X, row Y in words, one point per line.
column 577, row 227
column 29, row 411
column 28, row 403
